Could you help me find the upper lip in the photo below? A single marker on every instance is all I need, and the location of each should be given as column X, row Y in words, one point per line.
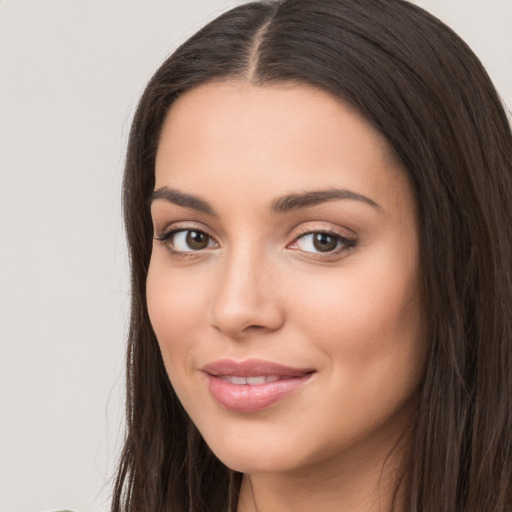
column 252, row 368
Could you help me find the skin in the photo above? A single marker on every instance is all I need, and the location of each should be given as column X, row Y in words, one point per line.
column 261, row 289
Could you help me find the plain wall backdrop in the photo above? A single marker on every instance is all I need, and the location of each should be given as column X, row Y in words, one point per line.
column 71, row 72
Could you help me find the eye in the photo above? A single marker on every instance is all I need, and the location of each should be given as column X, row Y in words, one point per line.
column 187, row 240
column 322, row 242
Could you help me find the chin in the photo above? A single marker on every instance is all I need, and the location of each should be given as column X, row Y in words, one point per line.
column 250, row 463
column 264, row 454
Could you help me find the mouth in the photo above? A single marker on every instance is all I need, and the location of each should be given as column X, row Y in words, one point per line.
column 252, row 385
column 249, row 381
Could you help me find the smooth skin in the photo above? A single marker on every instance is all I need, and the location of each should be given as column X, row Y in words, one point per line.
column 327, row 283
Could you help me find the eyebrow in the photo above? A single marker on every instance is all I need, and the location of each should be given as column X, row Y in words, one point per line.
column 181, row 199
column 315, row 197
column 281, row 205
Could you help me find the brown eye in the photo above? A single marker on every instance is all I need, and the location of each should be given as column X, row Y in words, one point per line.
column 321, row 242
column 324, row 242
column 197, row 240
column 187, row 240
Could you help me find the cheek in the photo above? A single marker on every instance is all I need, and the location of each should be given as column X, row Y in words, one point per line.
column 367, row 315
column 368, row 325
column 176, row 306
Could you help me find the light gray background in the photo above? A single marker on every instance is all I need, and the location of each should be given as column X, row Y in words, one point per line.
column 70, row 75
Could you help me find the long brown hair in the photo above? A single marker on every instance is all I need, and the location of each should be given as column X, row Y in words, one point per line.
column 426, row 92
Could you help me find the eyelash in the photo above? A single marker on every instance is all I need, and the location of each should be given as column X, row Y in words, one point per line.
column 346, row 243
column 165, row 237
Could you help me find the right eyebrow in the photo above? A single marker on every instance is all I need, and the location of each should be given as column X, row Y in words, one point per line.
column 181, row 199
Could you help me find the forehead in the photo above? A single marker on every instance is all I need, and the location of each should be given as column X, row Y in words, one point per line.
column 288, row 136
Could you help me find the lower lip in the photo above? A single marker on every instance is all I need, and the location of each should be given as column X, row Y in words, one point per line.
column 247, row 398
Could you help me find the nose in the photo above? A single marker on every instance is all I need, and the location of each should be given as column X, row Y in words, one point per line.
column 246, row 298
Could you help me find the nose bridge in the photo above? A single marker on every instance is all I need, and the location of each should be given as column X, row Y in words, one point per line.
column 245, row 294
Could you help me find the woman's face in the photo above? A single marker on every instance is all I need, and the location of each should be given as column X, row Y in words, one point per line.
column 284, row 279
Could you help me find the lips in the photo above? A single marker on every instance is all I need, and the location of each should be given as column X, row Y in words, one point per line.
column 252, row 385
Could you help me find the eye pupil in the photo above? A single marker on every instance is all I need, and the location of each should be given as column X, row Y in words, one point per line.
column 197, row 240
column 324, row 242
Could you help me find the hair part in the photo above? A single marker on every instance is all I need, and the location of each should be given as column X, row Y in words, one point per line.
column 426, row 92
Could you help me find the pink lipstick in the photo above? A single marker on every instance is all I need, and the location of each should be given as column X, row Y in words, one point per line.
column 252, row 385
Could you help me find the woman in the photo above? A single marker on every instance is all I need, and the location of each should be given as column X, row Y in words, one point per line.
column 317, row 201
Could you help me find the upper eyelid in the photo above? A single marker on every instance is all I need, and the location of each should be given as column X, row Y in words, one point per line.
column 299, row 231
column 341, row 231
column 326, row 232
column 166, row 234
column 183, row 226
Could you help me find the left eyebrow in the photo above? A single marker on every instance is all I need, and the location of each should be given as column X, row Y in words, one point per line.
column 313, row 198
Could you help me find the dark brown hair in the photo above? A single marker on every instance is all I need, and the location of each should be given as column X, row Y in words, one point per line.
column 426, row 92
